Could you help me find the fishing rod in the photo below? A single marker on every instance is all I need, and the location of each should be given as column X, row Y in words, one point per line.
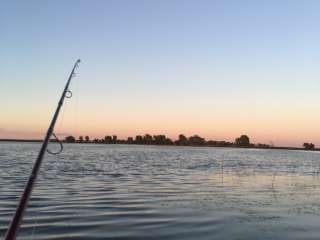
column 17, row 219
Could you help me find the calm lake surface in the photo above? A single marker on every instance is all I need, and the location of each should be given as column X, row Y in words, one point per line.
column 150, row 192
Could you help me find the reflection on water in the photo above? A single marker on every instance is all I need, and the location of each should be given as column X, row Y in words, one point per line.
column 139, row 192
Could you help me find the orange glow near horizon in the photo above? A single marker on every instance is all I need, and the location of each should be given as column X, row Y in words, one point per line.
column 283, row 128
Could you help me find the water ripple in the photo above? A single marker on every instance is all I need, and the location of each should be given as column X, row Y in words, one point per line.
column 148, row 192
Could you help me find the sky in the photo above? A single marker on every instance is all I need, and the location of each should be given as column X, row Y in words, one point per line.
column 214, row 68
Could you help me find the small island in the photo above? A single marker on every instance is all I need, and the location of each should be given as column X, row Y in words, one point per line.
column 243, row 141
column 195, row 140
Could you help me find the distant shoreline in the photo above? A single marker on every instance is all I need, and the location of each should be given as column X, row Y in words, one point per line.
column 20, row 140
column 249, row 147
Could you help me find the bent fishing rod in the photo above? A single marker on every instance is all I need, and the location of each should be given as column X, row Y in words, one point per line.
column 17, row 219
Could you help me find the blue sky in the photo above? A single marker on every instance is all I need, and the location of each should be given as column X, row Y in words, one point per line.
column 221, row 67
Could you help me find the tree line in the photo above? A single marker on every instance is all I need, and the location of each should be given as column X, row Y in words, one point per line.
column 148, row 139
column 195, row 140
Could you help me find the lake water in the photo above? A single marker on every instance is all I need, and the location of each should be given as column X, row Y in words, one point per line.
column 154, row 192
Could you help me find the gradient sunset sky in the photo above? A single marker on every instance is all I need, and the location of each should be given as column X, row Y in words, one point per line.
column 214, row 68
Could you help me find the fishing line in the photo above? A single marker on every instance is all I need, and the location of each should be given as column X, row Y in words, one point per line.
column 54, row 164
column 76, row 132
column 64, row 109
column 61, row 133
column 76, row 111
column 25, row 197
column 35, row 224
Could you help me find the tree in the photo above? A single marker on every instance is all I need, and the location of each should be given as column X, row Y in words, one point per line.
column 308, row 146
column 139, row 139
column 159, row 139
column 168, row 141
column 147, row 139
column 243, row 141
column 130, row 140
column 196, row 140
column 80, row 139
column 114, row 139
column 70, row 139
column 182, row 140
column 108, row 139
column 87, row 138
